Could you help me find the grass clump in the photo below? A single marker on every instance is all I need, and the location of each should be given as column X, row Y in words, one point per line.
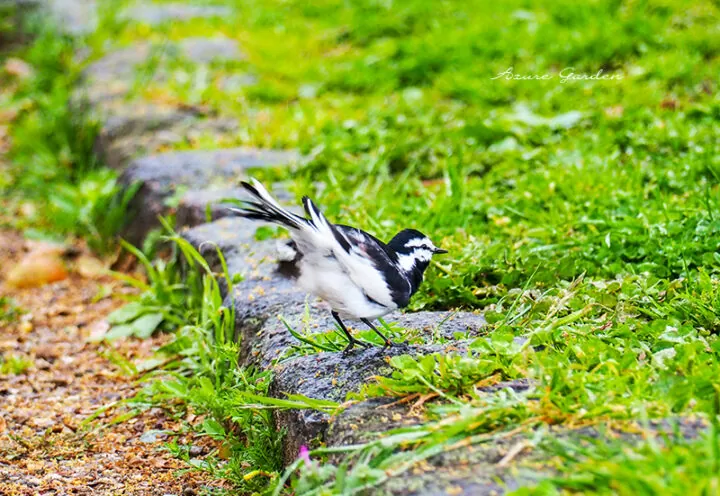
column 198, row 370
column 52, row 184
column 667, row 464
column 12, row 364
column 9, row 311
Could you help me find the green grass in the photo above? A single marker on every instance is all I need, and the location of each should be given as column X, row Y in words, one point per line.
column 12, row 364
column 582, row 217
column 52, row 185
column 9, row 311
column 656, row 466
column 197, row 372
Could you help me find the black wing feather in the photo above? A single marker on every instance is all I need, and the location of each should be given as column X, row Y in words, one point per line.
column 384, row 259
column 264, row 210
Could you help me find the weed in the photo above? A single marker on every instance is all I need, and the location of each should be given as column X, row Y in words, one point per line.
column 9, row 311
column 656, row 466
column 14, row 364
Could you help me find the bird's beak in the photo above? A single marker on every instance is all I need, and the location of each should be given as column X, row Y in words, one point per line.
column 439, row 251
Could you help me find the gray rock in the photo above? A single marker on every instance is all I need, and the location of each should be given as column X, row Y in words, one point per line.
column 471, row 470
column 165, row 175
column 154, row 14
column 153, row 130
column 76, row 17
column 235, row 237
column 264, row 295
column 482, row 469
column 328, row 376
column 131, row 126
column 145, row 61
column 123, row 119
column 206, row 50
column 235, row 82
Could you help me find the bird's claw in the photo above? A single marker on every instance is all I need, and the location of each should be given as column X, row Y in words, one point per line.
column 351, row 345
column 402, row 345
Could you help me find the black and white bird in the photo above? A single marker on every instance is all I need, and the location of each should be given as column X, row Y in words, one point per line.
column 357, row 274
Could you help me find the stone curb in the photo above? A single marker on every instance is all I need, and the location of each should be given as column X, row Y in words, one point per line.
column 198, row 179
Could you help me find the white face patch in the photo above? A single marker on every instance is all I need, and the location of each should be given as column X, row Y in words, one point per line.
column 424, row 255
column 420, row 243
column 407, row 262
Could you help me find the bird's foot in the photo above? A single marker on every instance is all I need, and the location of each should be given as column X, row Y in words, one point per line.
column 351, row 345
column 401, row 345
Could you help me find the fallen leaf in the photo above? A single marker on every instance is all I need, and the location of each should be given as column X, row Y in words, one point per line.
column 224, row 452
column 669, row 104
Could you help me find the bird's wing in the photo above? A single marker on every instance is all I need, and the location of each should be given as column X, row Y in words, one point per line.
column 361, row 256
column 383, row 259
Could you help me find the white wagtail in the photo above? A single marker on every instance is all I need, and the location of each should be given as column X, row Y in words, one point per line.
column 357, row 274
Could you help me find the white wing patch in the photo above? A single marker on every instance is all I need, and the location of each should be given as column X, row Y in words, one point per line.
column 319, row 240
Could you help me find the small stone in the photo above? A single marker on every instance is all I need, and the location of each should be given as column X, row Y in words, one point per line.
column 18, row 68
column 196, row 450
column 97, row 330
column 42, row 364
column 43, row 423
column 36, row 269
column 90, row 267
column 152, row 436
column 48, row 352
column 61, row 381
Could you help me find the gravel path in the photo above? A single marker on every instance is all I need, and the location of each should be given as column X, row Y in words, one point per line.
column 44, row 448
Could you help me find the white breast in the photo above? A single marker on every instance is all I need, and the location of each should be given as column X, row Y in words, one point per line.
column 326, row 278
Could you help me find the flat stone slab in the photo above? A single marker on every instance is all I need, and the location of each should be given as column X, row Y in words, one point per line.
column 331, row 376
column 470, row 470
column 480, row 469
column 165, row 175
column 131, row 126
column 75, row 17
column 115, row 74
column 154, row 14
column 154, row 130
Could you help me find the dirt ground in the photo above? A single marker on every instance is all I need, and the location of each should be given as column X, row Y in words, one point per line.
column 44, row 449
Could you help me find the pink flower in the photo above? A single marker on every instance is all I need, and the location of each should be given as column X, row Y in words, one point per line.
column 305, row 455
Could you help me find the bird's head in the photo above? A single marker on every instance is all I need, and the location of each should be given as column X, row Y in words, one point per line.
column 414, row 250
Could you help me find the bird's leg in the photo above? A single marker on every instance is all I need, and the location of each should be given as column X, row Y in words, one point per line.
column 388, row 343
column 352, row 340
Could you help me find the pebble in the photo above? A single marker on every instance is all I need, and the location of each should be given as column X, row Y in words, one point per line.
column 36, row 269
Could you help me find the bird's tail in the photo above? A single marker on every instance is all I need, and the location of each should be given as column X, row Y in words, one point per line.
column 267, row 208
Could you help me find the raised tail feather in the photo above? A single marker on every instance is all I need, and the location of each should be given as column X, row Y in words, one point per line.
column 267, row 208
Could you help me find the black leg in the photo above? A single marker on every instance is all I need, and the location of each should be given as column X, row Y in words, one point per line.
column 388, row 343
column 352, row 340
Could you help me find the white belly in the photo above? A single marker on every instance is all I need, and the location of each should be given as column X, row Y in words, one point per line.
column 328, row 281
